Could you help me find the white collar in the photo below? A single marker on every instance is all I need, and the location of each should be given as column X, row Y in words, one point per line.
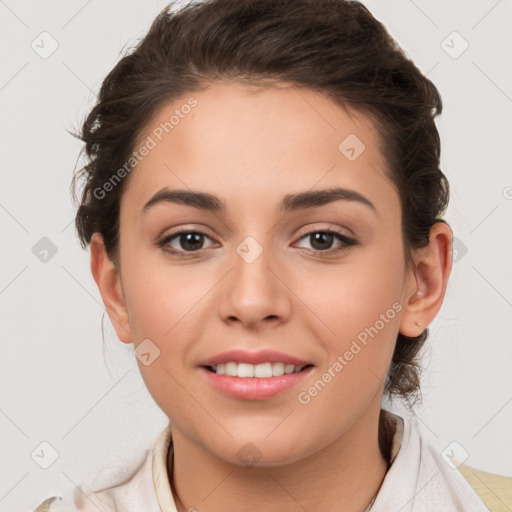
column 419, row 479
column 160, row 475
column 418, row 476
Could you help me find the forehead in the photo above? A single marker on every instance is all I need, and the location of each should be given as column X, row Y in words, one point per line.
column 257, row 143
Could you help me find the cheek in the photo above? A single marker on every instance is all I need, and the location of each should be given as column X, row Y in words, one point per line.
column 351, row 297
column 357, row 309
column 360, row 313
column 163, row 304
column 160, row 297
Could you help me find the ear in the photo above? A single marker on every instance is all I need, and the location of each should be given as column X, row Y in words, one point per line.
column 108, row 280
column 427, row 285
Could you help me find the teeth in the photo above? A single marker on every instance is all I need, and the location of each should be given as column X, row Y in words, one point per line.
column 263, row 370
column 277, row 369
column 289, row 368
column 245, row 370
column 260, row 371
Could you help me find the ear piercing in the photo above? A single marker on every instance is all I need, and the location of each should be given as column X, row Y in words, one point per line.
column 418, row 324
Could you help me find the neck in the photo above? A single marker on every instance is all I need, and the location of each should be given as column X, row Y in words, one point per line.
column 343, row 476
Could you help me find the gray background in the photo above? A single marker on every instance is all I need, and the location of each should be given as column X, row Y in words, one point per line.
column 62, row 384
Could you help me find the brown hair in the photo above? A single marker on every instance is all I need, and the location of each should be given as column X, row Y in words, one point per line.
column 335, row 47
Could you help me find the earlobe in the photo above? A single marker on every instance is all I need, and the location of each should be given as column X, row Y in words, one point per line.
column 432, row 267
column 108, row 281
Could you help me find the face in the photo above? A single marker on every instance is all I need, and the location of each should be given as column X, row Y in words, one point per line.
column 269, row 272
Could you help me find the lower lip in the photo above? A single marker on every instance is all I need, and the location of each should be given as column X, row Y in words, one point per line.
column 254, row 388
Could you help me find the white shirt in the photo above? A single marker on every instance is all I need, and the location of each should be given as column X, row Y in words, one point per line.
column 418, row 480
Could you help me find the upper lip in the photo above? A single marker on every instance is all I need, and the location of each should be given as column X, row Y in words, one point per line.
column 259, row 357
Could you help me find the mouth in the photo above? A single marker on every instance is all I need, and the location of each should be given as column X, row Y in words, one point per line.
column 256, row 371
column 260, row 375
column 254, row 376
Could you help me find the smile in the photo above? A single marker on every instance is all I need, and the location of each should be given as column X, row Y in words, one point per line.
column 258, row 371
column 255, row 382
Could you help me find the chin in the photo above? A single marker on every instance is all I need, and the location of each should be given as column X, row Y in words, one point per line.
column 259, row 451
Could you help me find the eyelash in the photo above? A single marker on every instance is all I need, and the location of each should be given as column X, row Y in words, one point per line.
column 347, row 242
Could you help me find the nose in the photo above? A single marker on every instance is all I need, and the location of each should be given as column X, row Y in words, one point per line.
column 254, row 293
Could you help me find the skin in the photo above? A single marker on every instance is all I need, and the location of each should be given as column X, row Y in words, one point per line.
column 250, row 147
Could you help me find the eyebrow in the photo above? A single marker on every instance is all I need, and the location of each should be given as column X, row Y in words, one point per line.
column 290, row 202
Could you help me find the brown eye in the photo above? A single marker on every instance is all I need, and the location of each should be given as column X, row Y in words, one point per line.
column 322, row 241
column 191, row 241
column 183, row 241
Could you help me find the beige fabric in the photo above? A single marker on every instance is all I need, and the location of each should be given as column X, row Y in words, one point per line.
column 45, row 506
column 494, row 490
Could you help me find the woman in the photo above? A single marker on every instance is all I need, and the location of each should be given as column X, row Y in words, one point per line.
column 263, row 204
